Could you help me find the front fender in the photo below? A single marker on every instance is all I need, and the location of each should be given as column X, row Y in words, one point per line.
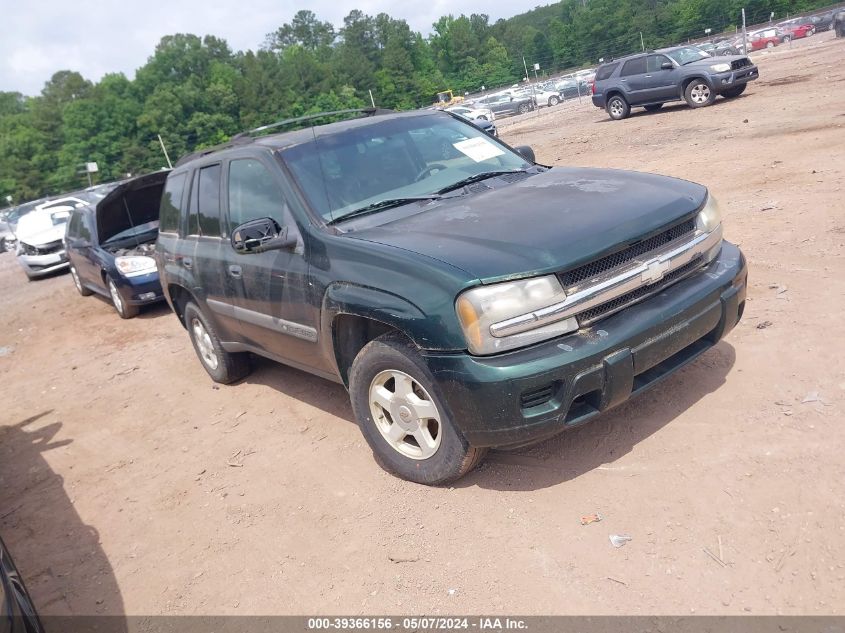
column 379, row 305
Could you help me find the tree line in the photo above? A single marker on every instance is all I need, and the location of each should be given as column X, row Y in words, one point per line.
column 196, row 92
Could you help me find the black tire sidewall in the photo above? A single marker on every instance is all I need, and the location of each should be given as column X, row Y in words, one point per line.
column 127, row 311
column 387, row 353
column 230, row 367
column 74, row 275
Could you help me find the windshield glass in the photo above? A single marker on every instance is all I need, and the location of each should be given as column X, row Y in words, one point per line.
column 687, row 54
column 395, row 158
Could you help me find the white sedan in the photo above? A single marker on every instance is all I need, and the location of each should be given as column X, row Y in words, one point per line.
column 485, row 114
column 543, row 96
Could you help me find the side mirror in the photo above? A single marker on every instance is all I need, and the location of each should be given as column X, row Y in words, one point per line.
column 526, row 152
column 258, row 236
column 666, row 66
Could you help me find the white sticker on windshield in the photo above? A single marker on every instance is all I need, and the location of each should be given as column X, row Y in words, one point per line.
column 478, row 149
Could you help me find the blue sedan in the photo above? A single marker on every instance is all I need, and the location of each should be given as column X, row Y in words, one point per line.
column 111, row 245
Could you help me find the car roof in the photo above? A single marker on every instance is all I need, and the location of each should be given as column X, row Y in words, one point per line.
column 285, row 140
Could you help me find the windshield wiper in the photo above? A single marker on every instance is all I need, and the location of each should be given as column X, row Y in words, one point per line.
column 482, row 176
column 382, row 205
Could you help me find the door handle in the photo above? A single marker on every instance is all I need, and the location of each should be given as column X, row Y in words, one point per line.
column 187, row 262
column 235, row 271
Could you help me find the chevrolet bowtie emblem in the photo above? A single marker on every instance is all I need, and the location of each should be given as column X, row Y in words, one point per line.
column 654, row 271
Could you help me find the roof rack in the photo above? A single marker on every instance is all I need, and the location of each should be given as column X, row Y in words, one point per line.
column 244, row 138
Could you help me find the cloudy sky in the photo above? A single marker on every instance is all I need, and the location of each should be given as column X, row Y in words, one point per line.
column 39, row 37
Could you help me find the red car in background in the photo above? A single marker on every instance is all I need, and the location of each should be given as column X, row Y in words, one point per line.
column 767, row 38
column 796, row 29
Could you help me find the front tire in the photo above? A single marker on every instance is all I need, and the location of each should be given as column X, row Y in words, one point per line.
column 125, row 310
column 404, row 418
column 618, row 108
column 770, row 44
column 734, row 92
column 553, row 101
column 223, row 367
column 698, row 94
column 523, row 108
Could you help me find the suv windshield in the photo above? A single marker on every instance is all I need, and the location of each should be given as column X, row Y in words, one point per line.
column 687, row 55
column 343, row 173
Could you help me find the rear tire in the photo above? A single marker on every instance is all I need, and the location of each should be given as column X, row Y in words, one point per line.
column 223, row 367
column 523, row 108
column 653, row 108
column 403, row 417
column 770, row 44
column 698, row 94
column 553, row 101
column 125, row 310
column 78, row 282
column 734, row 92
column 618, row 108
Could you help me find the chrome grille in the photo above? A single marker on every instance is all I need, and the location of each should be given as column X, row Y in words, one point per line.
column 740, row 63
column 600, row 266
column 606, row 309
column 43, row 249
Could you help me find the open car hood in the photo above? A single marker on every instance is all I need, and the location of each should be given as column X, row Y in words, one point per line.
column 131, row 203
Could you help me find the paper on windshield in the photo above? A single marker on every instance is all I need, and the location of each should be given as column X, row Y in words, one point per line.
column 478, row 149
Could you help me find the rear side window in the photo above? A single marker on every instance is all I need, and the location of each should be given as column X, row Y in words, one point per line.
column 209, row 201
column 634, row 67
column 171, row 200
column 253, row 193
column 605, row 71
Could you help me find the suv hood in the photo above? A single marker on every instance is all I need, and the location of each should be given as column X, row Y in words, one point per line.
column 549, row 222
column 710, row 61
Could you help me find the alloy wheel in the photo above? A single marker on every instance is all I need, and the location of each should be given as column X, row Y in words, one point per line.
column 700, row 93
column 204, row 345
column 405, row 414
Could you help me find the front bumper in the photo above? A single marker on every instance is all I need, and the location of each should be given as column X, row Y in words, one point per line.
column 528, row 395
column 725, row 81
column 141, row 290
column 39, row 265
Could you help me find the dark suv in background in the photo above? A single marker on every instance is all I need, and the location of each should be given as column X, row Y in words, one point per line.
column 467, row 297
column 651, row 79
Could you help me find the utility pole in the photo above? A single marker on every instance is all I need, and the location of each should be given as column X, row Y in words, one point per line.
column 642, row 41
column 744, row 34
column 372, row 101
column 164, row 149
column 524, row 65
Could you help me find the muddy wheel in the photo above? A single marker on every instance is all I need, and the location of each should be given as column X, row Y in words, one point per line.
column 403, row 417
column 125, row 310
column 223, row 367
column 78, row 282
column 698, row 94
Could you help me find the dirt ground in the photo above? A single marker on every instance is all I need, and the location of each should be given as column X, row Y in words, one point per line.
column 129, row 483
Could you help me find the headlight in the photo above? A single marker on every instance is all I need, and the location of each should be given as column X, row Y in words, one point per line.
column 709, row 220
column 710, row 217
column 720, row 68
column 134, row 266
column 508, row 315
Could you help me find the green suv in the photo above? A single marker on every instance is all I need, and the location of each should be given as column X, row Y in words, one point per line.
column 466, row 296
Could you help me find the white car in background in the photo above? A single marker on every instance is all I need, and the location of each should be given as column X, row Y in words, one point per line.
column 40, row 240
column 543, row 95
column 485, row 114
